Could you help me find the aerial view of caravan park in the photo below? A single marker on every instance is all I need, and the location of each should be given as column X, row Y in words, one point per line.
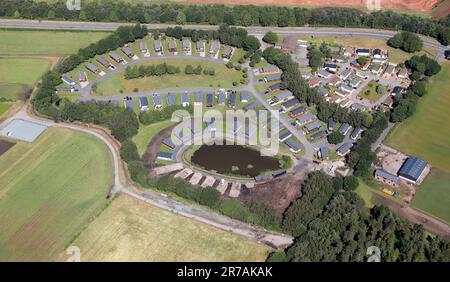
column 240, row 131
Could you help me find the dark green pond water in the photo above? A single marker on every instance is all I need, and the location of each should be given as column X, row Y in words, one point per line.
column 234, row 159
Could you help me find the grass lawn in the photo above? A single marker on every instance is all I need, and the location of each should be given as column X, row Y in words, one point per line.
column 365, row 192
column 223, row 77
column 49, row 190
column 370, row 92
column 10, row 91
column 433, row 196
column 395, row 55
column 4, row 107
column 16, row 74
column 146, row 134
column 54, row 43
column 23, row 71
column 130, row 230
column 426, row 133
column 237, row 54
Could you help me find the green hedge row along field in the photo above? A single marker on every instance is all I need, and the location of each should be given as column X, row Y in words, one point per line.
column 49, row 190
column 46, row 43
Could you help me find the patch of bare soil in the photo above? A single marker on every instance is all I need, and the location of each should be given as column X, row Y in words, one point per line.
column 5, row 146
column 279, row 193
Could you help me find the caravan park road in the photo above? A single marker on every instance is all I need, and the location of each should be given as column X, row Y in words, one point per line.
column 252, row 232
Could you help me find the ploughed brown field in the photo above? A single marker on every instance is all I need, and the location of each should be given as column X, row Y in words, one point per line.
column 423, row 6
column 5, row 146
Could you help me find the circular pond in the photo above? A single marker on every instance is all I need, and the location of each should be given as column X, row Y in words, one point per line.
column 233, row 160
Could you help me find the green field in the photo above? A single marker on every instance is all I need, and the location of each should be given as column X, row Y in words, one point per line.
column 22, row 71
column 49, row 190
column 130, row 230
column 433, row 196
column 146, row 134
column 16, row 74
column 46, row 43
column 426, row 133
column 10, row 91
column 4, row 107
column 223, row 77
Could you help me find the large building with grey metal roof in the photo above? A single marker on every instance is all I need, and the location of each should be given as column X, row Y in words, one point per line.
column 412, row 169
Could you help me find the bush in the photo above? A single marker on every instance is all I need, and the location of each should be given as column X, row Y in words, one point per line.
column 335, row 138
column 234, row 209
column 381, row 89
column 138, row 172
column 350, row 183
column 270, row 37
column 286, row 162
column 230, row 65
column 128, row 151
column 209, row 197
column 264, row 215
column 362, row 60
column 277, row 257
column 407, row 41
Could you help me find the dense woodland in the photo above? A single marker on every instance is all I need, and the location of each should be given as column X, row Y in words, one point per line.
column 242, row 15
column 331, row 224
column 328, row 219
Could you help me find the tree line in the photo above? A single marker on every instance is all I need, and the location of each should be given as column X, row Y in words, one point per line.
column 422, row 68
column 215, row 14
column 164, row 68
column 123, row 35
column 152, row 70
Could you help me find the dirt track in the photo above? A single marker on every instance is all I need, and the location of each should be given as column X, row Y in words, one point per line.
column 424, row 6
column 153, row 147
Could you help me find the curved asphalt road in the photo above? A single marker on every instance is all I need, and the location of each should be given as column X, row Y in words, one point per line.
column 198, row 213
column 86, row 93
